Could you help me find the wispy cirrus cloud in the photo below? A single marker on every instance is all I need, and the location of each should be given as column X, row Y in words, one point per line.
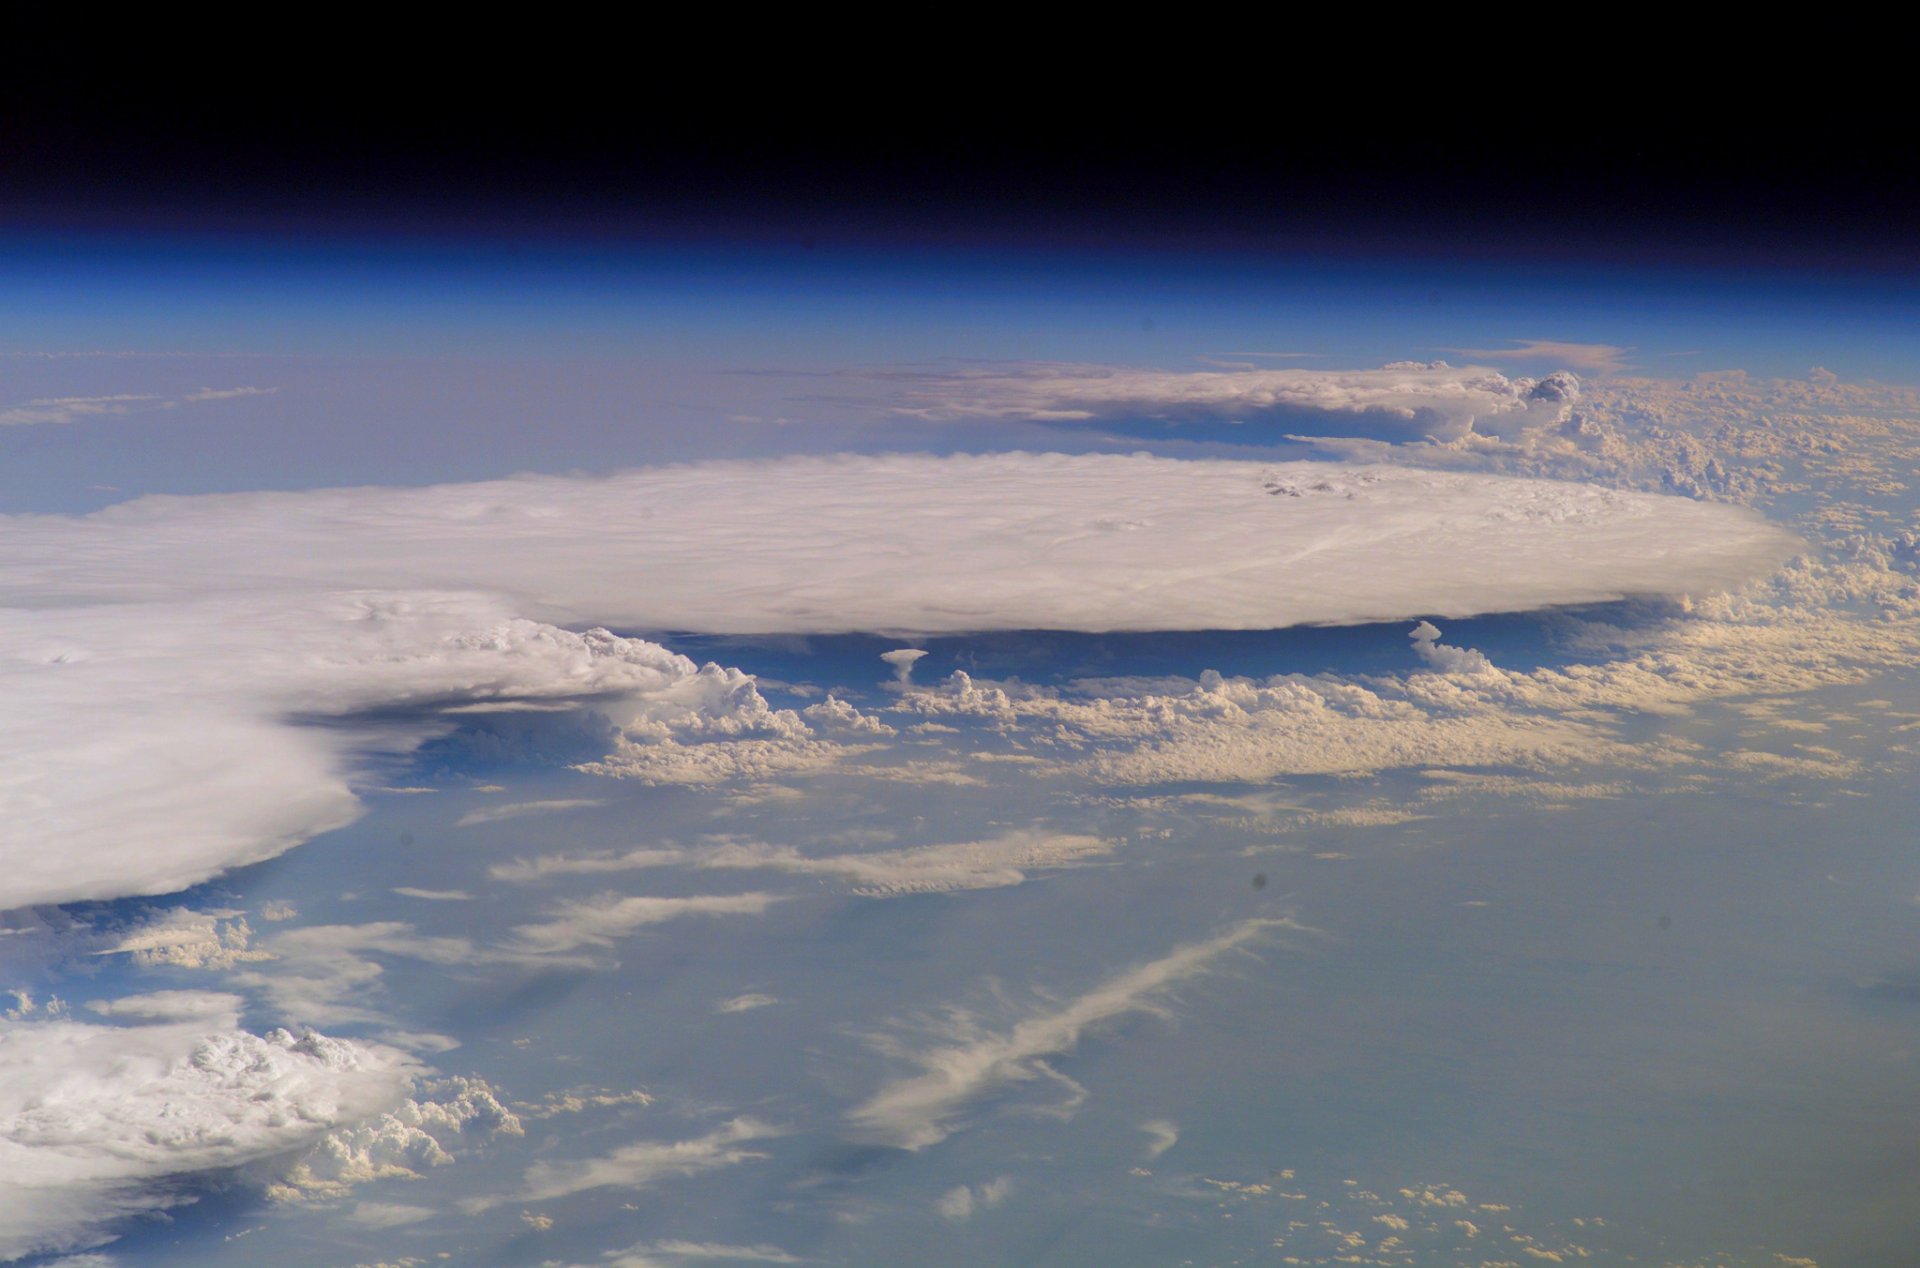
column 1590, row 358
column 639, row 1165
column 991, row 863
column 921, row 1110
column 69, row 409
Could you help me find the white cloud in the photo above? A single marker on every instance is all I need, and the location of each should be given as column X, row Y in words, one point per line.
column 214, row 1008
column 447, row 1117
column 1595, row 358
column 188, row 939
column 742, row 1003
column 1447, row 660
column 925, row 869
column 680, row 1248
column 325, row 974
column 902, row 659
column 546, row 865
column 960, row 1202
column 920, row 1110
column 954, row 544
column 1793, row 634
column 599, row 922
column 1165, row 1136
column 161, row 653
column 380, row 1215
column 99, row 1122
column 68, row 409
column 149, row 745
column 639, row 1165
column 520, row 809
column 1416, row 400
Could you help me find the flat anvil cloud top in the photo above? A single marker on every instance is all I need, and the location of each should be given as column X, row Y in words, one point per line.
column 919, row 544
column 154, row 657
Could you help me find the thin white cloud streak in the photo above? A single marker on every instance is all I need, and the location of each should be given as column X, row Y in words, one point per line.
column 757, row 1254
column 924, row 869
column 214, row 1008
column 548, row 865
column 915, row 1112
column 93, row 1119
column 640, row 1165
column 66, row 409
column 160, row 653
column 928, row 869
column 58, row 410
column 600, row 922
column 1164, row 1136
column 1593, row 358
column 520, row 809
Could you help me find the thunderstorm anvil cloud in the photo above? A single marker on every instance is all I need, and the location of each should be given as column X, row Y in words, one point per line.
column 162, row 654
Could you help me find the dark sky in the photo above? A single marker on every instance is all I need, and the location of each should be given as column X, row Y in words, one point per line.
column 905, row 134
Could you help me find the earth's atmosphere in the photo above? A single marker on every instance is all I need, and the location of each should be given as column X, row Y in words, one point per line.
column 617, row 755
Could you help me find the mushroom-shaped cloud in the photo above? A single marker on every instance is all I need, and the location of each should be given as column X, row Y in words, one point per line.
column 902, row 659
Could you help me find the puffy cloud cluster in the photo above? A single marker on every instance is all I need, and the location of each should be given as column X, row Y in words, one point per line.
column 1463, row 711
column 93, row 1118
column 447, row 1117
column 1414, row 399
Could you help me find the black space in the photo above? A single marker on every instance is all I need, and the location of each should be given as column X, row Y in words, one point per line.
column 898, row 132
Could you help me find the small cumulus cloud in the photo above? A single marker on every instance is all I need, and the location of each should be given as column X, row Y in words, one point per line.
column 961, row 1201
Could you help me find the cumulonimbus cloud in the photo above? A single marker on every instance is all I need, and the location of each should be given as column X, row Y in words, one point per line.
column 161, row 655
column 92, row 1117
column 913, row 543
